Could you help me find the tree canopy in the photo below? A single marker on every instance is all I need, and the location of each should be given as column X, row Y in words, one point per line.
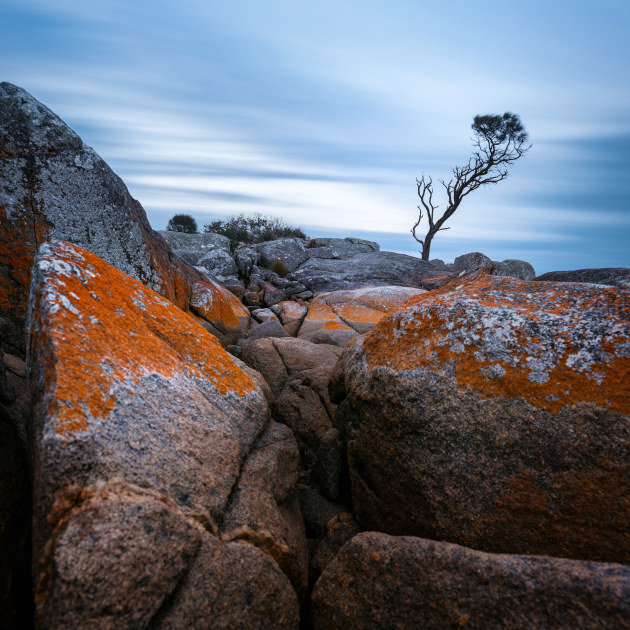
column 182, row 223
column 499, row 141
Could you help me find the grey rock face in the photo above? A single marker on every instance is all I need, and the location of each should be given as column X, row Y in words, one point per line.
column 220, row 264
column 191, row 247
column 612, row 276
column 380, row 581
column 283, row 255
column 513, row 268
column 473, row 260
column 270, row 328
column 374, row 268
column 343, row 247
column 439, row 264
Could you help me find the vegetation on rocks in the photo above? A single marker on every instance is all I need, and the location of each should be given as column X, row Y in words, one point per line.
column 256, row 228
column 182, row 223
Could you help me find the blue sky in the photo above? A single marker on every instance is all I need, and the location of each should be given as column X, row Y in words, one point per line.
column 324, row 113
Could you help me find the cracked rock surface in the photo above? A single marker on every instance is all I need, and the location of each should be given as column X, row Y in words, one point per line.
column 494, row 413
column 145, row 432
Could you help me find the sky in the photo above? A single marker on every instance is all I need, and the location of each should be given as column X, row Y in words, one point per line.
column 324, row 113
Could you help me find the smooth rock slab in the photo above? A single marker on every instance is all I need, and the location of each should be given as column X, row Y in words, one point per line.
column 380, row 581
column 494, row 413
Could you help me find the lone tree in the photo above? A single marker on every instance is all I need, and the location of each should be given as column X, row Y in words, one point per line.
column 499, row 141
column 182, row 223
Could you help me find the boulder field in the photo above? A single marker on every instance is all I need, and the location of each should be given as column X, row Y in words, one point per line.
column 346, row 438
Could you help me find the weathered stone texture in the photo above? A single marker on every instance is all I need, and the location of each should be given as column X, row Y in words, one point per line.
column 54, row 186
column 494, row 413
column 380, row 581
column 133, row 396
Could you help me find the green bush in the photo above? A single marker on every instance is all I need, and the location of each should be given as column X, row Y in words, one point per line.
column 182, row 223
column 256, row 228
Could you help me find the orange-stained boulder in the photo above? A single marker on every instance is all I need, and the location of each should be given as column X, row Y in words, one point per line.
column 379, row 581
column 495, row 413
column 141, row 414
column 338, row 317
column 54, row 186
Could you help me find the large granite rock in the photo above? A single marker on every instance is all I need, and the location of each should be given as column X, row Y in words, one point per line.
column 146, row 435
column 192, row 247
column 494, row 413
column 612, row 276
column 220, row 264
column 54, row 186
column 338, row 317
column 513, row 268
column 380, row 581
column 365, row 269
column 282, row 255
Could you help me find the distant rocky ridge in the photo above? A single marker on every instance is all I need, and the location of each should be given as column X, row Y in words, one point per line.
column 475, row 418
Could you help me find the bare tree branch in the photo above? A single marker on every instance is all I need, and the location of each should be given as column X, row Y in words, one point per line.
column 499, row 141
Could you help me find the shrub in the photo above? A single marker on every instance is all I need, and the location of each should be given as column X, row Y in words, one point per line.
column 182, row 223
column 252, row 229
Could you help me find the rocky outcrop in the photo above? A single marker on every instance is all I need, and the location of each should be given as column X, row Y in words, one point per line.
column 338, row 317
column 380, row 581
column 192, row 247
column 366, row 269
column 494, row 413
column 149, row 440
column 54, row 186
column 510, row 268
column 611, row 276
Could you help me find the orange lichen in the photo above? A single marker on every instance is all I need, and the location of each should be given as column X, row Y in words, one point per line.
column 576, row 336
column 21, row 232
column 97, row 329
column 335, row 325
column 359, row 313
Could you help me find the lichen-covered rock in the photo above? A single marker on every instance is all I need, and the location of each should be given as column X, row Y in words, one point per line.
column 364, row 269
column 291, row 315
column 129, row 389
column 612, row 276
column 494, row 413
column 192, row 247
column 345, row 314
column 220, row 264
column 54, row 186
column 380, row 581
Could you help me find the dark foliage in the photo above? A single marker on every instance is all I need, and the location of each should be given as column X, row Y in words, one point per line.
column 499, row 141
column 256, row 228
column 182, row 223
